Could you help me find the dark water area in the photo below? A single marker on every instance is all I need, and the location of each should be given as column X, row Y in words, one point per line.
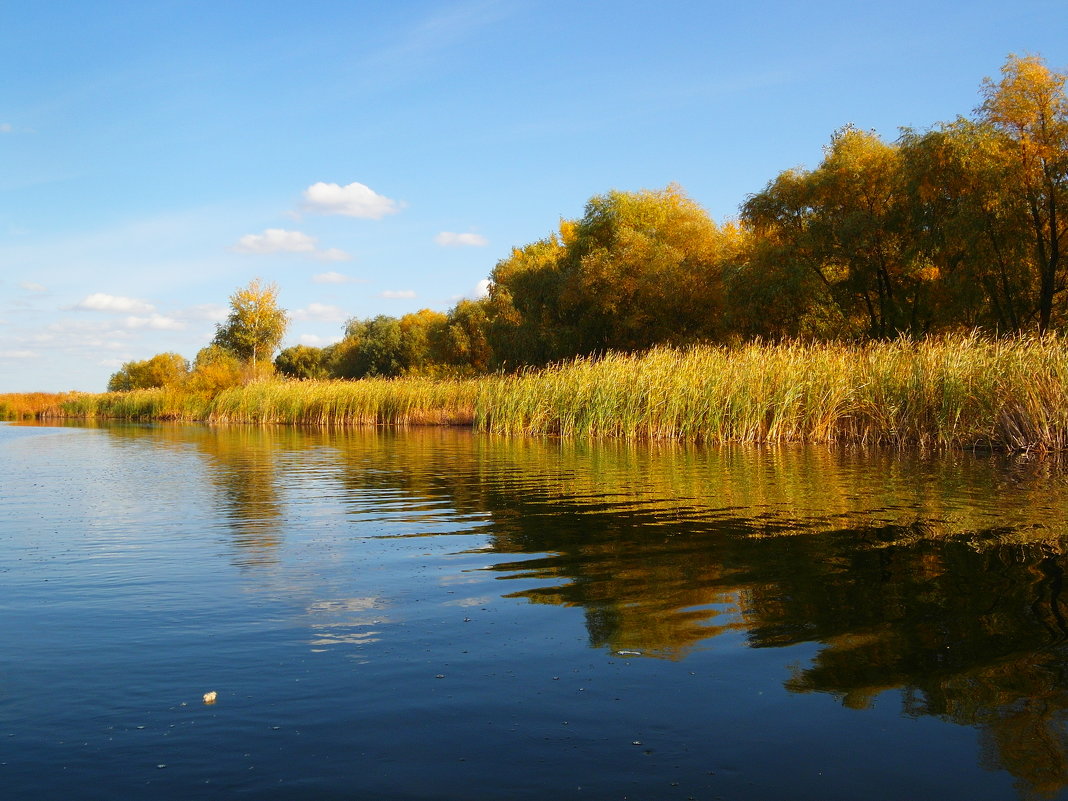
column 436, row 614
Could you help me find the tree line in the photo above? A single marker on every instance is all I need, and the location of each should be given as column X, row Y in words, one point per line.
column 958, row 227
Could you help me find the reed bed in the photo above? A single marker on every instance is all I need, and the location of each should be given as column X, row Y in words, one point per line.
column 962, row 392
column 953, row 392
column 30, row 405
column 408, row 401
column 378, row 401
column 159, row 403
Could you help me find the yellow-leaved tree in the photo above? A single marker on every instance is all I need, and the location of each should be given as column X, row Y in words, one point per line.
column 1028, row 106
column 256, row 324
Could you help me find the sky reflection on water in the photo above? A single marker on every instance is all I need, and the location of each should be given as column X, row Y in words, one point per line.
column 435, row 614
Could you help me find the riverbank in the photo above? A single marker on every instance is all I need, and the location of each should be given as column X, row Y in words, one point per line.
column 961, row 392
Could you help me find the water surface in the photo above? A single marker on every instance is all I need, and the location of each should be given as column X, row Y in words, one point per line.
column 435, row 614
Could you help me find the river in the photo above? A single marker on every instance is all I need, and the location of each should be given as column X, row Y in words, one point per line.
column 438, row 614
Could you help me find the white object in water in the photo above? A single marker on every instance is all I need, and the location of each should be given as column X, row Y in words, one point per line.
column 209, row 698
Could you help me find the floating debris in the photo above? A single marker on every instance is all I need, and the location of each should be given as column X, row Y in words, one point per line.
column 209, row 697
column 628, row 653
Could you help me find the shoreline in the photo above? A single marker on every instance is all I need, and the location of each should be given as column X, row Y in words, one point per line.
column 965, row 392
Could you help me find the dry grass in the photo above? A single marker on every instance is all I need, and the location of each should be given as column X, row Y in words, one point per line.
column 30, row 405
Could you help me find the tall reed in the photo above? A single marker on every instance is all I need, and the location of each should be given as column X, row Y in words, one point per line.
column 28, row 405
column 943, row 392
column 963, row 391
column 376, row 401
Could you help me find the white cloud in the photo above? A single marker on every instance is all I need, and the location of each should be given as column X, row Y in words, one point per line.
column 111, row 363
column 99, row 301
column 275, row 240
column 155, row 322
column 335, row 278
column 447, row 239
column 17, row 354
column 279, row 240
column 332, row 254
column 319, row 311
column 481, row 290
column 353, row 200
column 30, row 286
column 398, row 293
column 212, row 312
column 313, row 341
column 6, row 127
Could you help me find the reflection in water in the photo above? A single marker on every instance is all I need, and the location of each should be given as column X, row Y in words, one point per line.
column 346, row 621
column 942, row 578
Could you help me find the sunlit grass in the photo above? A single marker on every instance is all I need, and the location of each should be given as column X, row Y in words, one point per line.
column 376, row 401
column 957, row 392
column 947, row 392
column 29, row 405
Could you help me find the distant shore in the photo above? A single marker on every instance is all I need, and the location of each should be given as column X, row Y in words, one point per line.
column 952, row 392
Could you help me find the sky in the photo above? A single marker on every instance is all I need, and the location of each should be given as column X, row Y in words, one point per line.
column 380, row 157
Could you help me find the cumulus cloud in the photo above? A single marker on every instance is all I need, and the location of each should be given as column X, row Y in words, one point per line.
column 279, row 240
column 30, row 286
column 116, row 304
column 155, row 322
column 319, row 311
column 398, row 293
column 313, row 341
column 447, row 239
column 352, row 200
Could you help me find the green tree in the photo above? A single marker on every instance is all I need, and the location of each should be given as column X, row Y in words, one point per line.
column 644, row 268
column 371, row 348
column 846, row 223
column 163, row 369
column 525, row 318
column 255, row 326
column 387, row 346
column 421, row 333
column 639, row 268
column 302, row 361
column 463, row 341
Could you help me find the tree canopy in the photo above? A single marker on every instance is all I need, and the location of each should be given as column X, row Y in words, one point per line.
column 959, row 227
column 255, row 326
column 161, row 370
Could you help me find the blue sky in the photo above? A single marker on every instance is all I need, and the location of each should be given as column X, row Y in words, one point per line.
column 378, row 158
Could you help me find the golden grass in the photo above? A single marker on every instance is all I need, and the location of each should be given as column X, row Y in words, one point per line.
column 954, row 392
column 374, row 401
column 29, row 405
column 408, row 401
column 946, row 392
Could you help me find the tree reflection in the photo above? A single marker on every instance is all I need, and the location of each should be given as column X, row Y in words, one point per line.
column 941, row 578
column 243, row 471
column 241, row 468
